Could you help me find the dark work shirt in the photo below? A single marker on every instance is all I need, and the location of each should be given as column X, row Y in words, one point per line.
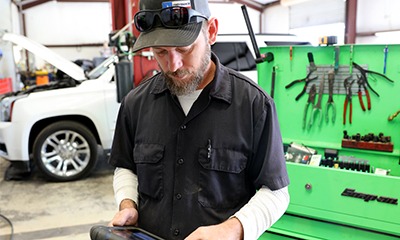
column 198, row 169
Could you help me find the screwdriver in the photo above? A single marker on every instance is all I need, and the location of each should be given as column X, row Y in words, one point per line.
column 351, row 60
column 336, row 58
column 385, row 53
column 291, row 56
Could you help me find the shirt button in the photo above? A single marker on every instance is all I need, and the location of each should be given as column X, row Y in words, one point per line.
column 178, row 196
column 183, row 127
column 176, row 232
column 181, row 161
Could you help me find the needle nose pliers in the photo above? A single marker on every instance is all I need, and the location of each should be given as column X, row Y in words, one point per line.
column 310, row 101
column 330, row 104
column 307, row 80
column 317, row 110
column 347, row 101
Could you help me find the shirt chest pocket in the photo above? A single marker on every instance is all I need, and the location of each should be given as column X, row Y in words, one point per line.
column 222, row 178
column 149, row 164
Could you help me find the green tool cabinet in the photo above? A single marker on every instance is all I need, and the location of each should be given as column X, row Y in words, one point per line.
column 318, row 209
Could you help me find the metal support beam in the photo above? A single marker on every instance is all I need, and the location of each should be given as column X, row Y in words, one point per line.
column 351, row 21
column 118, row 14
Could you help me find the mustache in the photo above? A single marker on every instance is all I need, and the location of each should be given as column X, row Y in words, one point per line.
column 177, row 73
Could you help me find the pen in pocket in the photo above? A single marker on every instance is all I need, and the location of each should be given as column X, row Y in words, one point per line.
column 209, row 149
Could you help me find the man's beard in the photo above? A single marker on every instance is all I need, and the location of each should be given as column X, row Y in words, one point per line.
column 180, row 88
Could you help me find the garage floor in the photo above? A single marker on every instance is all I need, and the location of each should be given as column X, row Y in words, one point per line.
column 44, row 210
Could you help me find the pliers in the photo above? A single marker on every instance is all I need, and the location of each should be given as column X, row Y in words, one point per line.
column 364, row 76
column 347, row 101
column 317, row 108
column 330, row 103
column 307, row 80
column 361, row 84
column 310, row 101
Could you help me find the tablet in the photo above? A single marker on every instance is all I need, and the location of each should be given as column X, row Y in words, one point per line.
column 121, row 233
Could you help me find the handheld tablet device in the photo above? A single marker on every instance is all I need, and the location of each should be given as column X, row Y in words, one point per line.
column 121, row 233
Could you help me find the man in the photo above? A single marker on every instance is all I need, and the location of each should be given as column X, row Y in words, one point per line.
column 197, row 148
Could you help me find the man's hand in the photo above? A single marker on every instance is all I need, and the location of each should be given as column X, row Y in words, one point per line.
column 231, row 229
column 127, row 215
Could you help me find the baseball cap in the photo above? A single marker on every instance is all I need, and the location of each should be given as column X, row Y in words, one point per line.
column 171, row 37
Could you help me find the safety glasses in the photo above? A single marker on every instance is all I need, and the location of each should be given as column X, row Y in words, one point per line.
column 171, row 17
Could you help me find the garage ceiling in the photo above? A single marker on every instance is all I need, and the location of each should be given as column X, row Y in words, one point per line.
column 259, row 5
column 25, row 4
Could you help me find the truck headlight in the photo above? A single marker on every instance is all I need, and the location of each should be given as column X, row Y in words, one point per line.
column 6, row 106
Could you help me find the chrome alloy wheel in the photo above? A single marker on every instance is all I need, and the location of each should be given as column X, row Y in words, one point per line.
column 65, row 153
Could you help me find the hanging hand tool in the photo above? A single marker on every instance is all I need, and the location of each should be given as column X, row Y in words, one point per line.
column 364, row 75
column 336, row 58
column 347, row 101
column 313, row 67
column 391, row 117
column 273, row 81
column 330, row 103
column 307, row 79
column 361, row 84
column 291, row 56
column 351, row 60
column 317, row 110
column 385, row 53
column 310, row 101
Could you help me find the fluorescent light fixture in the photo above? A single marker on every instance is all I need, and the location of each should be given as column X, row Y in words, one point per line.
column 388, row 34
column 288, row 3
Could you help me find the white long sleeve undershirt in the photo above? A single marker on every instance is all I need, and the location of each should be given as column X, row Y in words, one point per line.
column 125, row 185
column 260, row 213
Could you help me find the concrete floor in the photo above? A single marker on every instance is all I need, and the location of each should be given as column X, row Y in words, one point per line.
column 44, row 210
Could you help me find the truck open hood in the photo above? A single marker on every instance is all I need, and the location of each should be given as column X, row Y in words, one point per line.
column 68, row 67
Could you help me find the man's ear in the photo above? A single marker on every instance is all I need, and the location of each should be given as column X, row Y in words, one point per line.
column 212, row 30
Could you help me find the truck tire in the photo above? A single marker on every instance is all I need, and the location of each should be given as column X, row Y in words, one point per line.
column 65, row 151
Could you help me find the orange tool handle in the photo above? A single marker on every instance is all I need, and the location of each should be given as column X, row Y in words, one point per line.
column 361, row 100
column 368, row 99
column 344, row 111
column 351, row 113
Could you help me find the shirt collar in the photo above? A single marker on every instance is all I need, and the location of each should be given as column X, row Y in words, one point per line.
column 220, row 87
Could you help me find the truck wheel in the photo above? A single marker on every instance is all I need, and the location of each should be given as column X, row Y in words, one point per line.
column 65, row 151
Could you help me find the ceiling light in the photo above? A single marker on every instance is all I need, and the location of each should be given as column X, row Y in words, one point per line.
column 386, row 34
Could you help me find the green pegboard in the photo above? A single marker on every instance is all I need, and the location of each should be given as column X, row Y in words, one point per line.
column 330, row 135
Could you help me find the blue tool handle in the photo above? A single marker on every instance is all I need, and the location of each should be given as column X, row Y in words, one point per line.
column 385, row 53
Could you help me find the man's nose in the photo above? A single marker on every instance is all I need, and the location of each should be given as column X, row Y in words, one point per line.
column 175, row 61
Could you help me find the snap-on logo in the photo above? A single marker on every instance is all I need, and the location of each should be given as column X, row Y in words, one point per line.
column 348, row 192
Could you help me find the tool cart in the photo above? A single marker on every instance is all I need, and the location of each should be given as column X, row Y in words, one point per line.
column 343, row 151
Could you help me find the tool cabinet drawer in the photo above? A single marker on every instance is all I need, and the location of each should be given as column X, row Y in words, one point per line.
column 357, row 199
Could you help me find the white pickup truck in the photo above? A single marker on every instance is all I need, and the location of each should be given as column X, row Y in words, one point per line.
column 59, row 127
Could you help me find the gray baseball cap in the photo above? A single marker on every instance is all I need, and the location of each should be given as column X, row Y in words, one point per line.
column 160, row 36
